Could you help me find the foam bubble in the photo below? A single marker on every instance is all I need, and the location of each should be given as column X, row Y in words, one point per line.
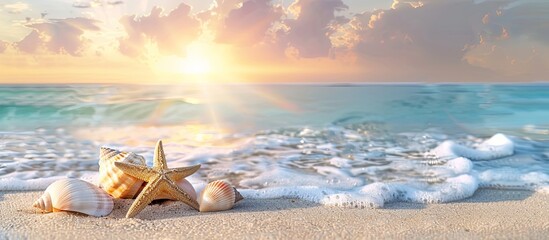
column 460, row 165
column 496, row 147
column 511, row 178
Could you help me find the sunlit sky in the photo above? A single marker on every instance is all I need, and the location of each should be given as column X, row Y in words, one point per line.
column 169, row 41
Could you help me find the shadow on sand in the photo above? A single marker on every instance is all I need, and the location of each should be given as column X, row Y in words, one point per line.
column 174, row 209
column 404, row 205
column 498, row 195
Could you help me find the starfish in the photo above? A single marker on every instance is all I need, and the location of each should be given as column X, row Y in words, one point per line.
column 160, row 179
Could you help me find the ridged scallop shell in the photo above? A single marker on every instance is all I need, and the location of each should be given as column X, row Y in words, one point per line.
column 112, row 179
column 76, row 196
column 218, row 196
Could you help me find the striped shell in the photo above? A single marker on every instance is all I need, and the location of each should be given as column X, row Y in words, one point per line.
column 218, row 196
column 121, row 185
column 112, row 179
column 75, row 195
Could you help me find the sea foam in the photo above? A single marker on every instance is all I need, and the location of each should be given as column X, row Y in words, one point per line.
column 461, row 179
column 335, row 166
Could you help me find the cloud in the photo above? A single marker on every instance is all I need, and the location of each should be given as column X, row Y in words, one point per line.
column 411, row 41
column 3, row 46
column 58, row 36
column 169, row 33
column 514, row 41
column 248, row 24
column 432, row 33
column 86, row 4
column 310, row 32
column 270, row 32
column 428, row 40
column 115, row 2
column 434, row 39
column 16, row 8
column 95, row 3
column 31, row 43
column 523, row 18
column 222, row 8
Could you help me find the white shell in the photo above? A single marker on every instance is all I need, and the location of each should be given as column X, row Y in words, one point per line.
column 112, row 179
column 218, row 196
column 184, row 185
column 76, row 196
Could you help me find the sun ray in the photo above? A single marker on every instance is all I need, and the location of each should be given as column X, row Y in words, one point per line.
column 275, row 99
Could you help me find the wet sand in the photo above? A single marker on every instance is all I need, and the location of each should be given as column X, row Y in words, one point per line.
column 488, row 214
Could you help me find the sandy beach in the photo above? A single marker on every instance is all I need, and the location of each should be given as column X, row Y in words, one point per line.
column 488, row 214
column 429, row 117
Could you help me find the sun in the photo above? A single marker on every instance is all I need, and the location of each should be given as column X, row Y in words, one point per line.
column 196, row 66
column 204, row 62
column 200, row 60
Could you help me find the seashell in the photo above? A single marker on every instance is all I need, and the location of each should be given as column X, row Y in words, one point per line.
column 112, row 179
column 75, row 195
column 184, row 185
column 120, row 185
column 218, row 196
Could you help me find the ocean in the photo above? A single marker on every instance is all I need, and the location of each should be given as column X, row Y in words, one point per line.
column 347, row 145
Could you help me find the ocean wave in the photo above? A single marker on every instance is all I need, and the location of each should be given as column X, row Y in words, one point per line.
column 359, row 146
column 348, row 166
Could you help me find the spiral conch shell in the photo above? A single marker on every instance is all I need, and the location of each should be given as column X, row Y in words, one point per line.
column 76, row 196
column 218, row 196
column 120, row 185
column 112, row 179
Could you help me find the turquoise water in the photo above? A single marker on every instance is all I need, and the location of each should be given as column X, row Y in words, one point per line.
column 315, row 142
column 451, row 108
